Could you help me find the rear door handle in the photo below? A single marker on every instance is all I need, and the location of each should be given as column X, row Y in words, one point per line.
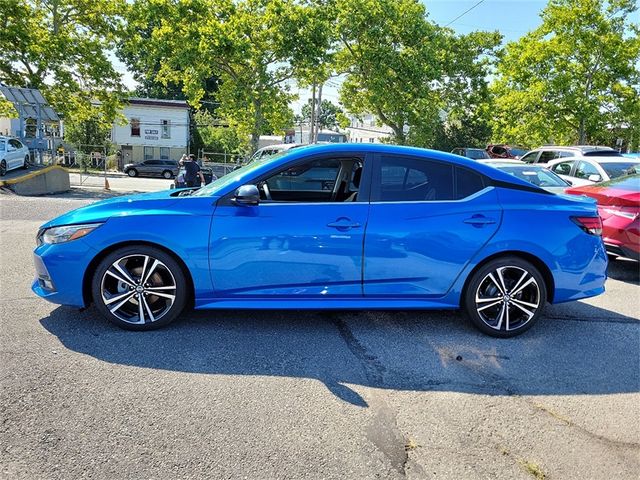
column 479, row 220
column 343, row 224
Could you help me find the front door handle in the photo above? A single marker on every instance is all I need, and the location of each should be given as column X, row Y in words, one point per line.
column 343, row 224
column 479, row 220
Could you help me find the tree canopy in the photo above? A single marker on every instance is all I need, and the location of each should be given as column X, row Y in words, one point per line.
column 329, row 115
column 62, row 48
column 572, row 79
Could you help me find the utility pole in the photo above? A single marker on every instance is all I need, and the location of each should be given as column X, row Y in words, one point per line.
column 318, row 113
column 313, row 113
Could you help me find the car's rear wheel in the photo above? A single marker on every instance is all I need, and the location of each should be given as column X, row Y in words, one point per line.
column 505, row 297
column 167, row 174
column 3, row 168
column 132, row 172
column 139, row 288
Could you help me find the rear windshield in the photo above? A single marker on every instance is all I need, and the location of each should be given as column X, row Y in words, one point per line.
column 536, row 175
column 615, row 170
column 602, row 153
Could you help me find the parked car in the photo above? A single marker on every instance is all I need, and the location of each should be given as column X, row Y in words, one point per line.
column 505, row 151
column 473, row 153
column 588, row 170
column 270, row 150
column 13, row 154
column 619, row 207
column 399, row 228
column 552, row 152
column 152, row 168
column 534, row 174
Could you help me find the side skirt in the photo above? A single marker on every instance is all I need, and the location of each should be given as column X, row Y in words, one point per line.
column 324, row 304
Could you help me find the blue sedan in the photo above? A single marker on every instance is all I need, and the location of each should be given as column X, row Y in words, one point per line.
column 346, row 226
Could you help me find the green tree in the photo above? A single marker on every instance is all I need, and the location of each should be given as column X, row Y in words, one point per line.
column 61, row 47
column 404, row 68
column 330, row 115
column 573, row 78
column 88, row 135
column 213, row 137
column 254, row 47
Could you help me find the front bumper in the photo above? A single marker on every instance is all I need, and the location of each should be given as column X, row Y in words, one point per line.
column 60, row 272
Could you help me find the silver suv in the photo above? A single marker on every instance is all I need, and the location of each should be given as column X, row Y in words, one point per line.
column 553, row 152
column 152, row 168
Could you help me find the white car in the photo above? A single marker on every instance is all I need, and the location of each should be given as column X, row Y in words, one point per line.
column 553, row 152
column 13, row 154
column 581, row 171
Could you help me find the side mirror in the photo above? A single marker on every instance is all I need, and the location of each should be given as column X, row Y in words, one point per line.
column 247, row 195
column 594, row 178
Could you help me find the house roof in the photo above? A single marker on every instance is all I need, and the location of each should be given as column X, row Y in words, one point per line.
column 157, row 102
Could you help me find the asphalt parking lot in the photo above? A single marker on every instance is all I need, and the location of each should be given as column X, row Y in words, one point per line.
column 341, row 395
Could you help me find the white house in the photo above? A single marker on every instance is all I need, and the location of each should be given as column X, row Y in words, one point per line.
column 367, row 130
column 154, row 129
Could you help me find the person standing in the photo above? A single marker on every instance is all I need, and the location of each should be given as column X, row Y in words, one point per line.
column 192, row 172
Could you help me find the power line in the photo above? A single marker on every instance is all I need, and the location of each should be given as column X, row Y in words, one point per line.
column 464, row 13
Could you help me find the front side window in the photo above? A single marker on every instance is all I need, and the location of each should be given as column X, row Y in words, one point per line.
column 584, row 170
column 2, row 146
column 313, row 181
column 135, row 127
column 530, row 157
column 15, row 144
column 406, row 179
column 166, row 128
column 562, row 168
column 148, row 154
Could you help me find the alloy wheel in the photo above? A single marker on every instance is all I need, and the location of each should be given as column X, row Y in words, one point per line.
column 507, row 298
column 3, row 168
column 138, row 289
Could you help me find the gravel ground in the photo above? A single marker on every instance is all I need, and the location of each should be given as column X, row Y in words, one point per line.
column 262, row 395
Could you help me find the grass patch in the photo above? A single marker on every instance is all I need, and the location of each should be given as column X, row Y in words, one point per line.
column 532, row 469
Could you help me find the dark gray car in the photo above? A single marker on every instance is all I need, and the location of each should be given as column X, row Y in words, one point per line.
column 152, row 168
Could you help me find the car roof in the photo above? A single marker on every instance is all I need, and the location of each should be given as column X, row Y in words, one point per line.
column 357, row 148
column 606, row 159
column 580, row 148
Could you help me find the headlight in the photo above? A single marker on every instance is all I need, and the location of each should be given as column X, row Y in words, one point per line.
column 65, row 233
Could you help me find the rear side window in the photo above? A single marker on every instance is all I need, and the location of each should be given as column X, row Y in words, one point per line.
column 467, row 183
column 548, row 155
column 2, row 146
column 407, row 179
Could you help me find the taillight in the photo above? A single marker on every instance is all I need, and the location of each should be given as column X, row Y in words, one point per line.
column 591, row 225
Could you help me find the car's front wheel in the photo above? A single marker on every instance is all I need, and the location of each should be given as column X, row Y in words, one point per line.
column 132, row 172
column 26, row 162
column 3, row 168
column 505, row 297
column 139, row 288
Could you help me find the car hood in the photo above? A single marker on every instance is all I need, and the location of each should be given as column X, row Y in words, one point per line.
column 117, row 206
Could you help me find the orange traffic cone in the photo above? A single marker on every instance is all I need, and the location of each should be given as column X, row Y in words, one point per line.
column 106, row 184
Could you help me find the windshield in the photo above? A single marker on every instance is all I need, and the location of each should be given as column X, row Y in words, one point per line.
column 476, row 153
column 615, row 170
column 537, row 175
column 232, row 177
column 518, row 151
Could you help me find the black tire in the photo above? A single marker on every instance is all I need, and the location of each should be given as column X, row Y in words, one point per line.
column 132, row 172
column 3, row 168
column 26, row 163
column 496, row 310
column 167, row 174
column 164, row 279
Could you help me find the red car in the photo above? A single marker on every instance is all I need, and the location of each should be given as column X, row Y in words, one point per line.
column 505, row 151
column 619, row 207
